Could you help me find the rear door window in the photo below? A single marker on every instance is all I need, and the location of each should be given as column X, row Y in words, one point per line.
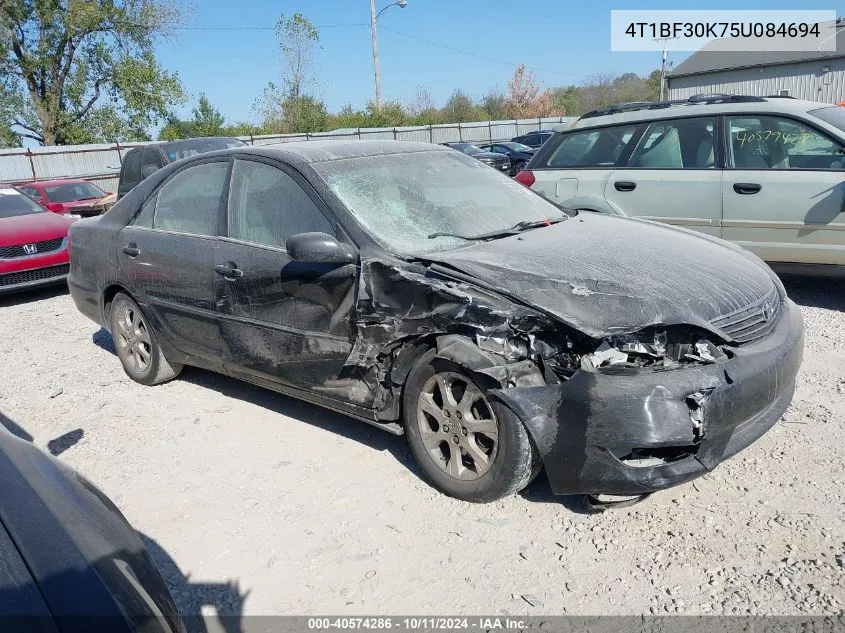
column 677, row 144
column 190, row 201
column 601, row 147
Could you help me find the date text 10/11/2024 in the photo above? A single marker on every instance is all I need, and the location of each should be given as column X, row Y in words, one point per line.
column 415, row 623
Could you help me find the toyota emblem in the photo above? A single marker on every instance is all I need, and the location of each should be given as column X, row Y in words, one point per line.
column 30, row 249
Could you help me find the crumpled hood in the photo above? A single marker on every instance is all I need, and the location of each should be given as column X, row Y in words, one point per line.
column 605, row 274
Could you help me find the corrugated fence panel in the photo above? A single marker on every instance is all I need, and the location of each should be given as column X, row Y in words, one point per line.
column 81, row 163
column 14, row 166
column 101, row 163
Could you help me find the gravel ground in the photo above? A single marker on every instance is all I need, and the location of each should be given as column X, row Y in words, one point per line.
column 253, row 503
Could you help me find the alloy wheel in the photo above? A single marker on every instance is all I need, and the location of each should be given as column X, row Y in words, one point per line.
column 457, row 425
column 133, row 338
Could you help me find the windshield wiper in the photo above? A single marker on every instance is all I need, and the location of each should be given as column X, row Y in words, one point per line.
column 519, row 227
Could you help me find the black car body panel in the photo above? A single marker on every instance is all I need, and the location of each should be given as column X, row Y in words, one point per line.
column 534, row 139
column 500, row 162
column 572, row 271
column 519, row 314
column 519, row 157
column 87, row 565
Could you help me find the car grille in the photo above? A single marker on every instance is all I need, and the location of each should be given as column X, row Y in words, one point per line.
column 39, row 274
column 8, row 252
column 752, row 322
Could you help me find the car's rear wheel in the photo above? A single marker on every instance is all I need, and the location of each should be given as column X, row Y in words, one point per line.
column 136, row 344
column 467, row 446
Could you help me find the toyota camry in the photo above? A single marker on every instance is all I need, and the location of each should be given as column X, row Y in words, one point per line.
column 412, row 287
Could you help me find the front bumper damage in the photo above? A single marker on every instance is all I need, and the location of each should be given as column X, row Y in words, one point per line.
column 639, row 431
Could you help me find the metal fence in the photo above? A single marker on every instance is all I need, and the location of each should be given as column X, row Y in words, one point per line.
column 101, row 163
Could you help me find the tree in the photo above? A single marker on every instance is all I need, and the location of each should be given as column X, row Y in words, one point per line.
column 493, row 103
column 604, row 89
column 291, row 106
column 568, row 100
column 424, row 111
column 206, row 121
column 459, row 109
column 526, row 99
column 83, row 70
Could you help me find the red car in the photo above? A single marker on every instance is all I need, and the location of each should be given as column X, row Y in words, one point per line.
column 33, row 243
column 72, row 196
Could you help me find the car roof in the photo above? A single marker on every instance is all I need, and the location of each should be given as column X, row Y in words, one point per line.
column 160, row 144
column 323, row 151
column 703, row 106
column 58, row 181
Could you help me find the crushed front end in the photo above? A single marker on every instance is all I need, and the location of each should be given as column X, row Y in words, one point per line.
column 644, row 412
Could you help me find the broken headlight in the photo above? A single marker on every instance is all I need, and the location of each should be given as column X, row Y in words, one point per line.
column 655, row 349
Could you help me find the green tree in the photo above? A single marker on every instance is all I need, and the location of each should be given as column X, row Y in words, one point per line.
column 392, row 114
column 206, row 121
column 348, row 117
column 568, row 100
column 459, row 108
column 83, row 70
column 291, row 106
column 494, row 105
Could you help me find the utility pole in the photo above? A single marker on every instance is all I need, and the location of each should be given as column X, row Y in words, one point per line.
column 665, row 41
column 373, row 19
column 375, row 53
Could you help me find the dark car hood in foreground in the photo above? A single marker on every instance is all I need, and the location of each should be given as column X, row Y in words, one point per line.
column 90, row 566
column 604, row 274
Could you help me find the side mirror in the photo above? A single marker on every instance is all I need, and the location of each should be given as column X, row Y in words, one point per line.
column 317, row 248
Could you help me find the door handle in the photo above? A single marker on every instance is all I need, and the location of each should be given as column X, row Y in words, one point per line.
column 229, row 270
column 747, row 188
column 132, row 249
column 624, row 185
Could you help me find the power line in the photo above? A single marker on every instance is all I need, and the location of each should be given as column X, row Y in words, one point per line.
column 484, row 57
column 385, row 28
column 261, row 28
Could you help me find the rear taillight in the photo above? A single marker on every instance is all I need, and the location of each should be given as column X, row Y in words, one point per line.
column 525, row 177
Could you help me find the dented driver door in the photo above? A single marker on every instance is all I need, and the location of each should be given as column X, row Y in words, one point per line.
column 280, row 320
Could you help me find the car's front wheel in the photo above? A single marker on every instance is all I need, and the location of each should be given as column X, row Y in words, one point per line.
column 136, row 344
column 518, row 166
column 467, row 446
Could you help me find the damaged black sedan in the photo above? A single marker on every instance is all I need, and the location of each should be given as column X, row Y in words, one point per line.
column 411, row 287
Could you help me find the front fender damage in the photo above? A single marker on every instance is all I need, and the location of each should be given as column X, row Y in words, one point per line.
column 548, row 374
column 401, row 311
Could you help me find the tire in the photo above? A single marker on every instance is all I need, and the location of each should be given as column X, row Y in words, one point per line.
column 518, row 166
column 492, row 462
column 136, row 344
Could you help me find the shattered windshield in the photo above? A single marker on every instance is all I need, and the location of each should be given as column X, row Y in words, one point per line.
column 402, row 199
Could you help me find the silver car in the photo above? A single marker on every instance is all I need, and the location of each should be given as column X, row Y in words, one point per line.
column 766, row 173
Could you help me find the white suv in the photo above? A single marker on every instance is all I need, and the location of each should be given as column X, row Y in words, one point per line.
column 766, row 173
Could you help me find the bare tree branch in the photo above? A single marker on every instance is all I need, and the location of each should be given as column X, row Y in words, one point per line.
column 91, row 101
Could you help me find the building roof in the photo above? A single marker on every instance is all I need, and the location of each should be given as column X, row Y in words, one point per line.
column 713, row 56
